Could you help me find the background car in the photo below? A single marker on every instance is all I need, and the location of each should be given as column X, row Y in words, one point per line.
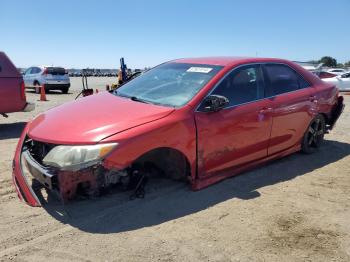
column 341, row 81
column 324, row 74
column 337, row 71
column 54, row 78
column 12, row 93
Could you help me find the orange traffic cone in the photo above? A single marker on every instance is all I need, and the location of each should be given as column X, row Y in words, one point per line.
column 42, row 93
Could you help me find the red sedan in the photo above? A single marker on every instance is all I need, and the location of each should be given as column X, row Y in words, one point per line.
column 201, row 120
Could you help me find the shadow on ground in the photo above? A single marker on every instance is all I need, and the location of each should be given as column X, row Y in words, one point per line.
column 11, row 130
column 49, row 92
column 115, row 213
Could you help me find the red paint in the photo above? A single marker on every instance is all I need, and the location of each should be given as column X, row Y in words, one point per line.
column 217, row 145
column 12, row 94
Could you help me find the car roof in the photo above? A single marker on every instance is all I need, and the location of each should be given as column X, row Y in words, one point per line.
column 228, row 60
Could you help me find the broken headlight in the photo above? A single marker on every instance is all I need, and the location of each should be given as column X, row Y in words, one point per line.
column 73, row 158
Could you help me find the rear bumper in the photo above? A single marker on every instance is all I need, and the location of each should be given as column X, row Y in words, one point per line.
column 29, row 107
column 336, row 112
column 56, row 86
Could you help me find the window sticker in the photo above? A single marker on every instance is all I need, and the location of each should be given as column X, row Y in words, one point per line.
column 204, row 70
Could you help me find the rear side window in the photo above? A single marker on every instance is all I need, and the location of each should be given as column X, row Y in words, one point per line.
column 282, row 79
column 243, row 85
column 35, row 70
column 56, row 70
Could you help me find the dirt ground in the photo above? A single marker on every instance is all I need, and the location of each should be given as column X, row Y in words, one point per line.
column 293, row 209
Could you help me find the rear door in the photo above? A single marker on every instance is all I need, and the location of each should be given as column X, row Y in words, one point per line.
column 292, row 106
column 12, row 96
column 239, row 133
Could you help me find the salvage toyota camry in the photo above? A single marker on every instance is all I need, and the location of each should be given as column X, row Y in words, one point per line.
column 201, row 120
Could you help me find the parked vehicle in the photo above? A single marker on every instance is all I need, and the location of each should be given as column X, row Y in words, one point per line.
column 54, row 78
column 324, row 74
column 12, row 91
column 341, row 81
column 200, row 120
column 337, row 71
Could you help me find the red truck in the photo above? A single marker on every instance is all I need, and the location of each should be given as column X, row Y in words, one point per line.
column 12, row 90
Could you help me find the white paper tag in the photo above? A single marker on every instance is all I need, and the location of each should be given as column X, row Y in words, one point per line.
column 204, row 70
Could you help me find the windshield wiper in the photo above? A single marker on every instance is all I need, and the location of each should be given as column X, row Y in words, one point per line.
column 134, row 98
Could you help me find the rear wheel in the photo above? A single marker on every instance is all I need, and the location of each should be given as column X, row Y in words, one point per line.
column 314, row 135
column 65, row 90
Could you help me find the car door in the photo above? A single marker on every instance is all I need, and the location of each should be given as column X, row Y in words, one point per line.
column 240, row 132
column 292, row 106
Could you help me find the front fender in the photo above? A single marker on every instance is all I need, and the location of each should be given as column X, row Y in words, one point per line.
column 167, row 132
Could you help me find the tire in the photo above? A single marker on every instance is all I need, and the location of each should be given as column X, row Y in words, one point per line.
column 314, row 135
column 37, row 87
column 65, row 90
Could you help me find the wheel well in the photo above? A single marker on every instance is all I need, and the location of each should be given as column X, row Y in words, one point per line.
column 168, row 162
column 326, row 119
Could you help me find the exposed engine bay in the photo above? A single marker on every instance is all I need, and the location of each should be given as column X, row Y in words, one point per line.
column 87, row 182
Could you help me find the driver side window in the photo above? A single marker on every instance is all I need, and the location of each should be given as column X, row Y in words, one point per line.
column 242, row 85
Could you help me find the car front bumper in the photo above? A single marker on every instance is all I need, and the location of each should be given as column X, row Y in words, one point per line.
column 64, row 184
column 56, row 86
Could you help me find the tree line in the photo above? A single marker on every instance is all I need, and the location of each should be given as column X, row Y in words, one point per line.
column 330, row 62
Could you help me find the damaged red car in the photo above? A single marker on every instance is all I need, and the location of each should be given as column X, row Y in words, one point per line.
column 200, row 120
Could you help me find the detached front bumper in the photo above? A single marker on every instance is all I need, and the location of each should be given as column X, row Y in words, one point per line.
column 63, row 184
column 23, row 186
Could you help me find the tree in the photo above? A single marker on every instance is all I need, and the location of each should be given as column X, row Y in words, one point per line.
column 328, row 61
column 347, row 64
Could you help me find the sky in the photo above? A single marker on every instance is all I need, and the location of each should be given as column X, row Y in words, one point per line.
column 95, row 34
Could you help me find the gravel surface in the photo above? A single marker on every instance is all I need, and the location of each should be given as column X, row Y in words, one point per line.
column 293, row 209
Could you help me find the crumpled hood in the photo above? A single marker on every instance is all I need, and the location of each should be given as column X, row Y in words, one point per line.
column 89, row 120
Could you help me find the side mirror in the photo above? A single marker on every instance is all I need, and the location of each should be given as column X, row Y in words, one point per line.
column 214, row 103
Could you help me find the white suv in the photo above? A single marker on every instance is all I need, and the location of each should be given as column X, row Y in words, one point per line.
column 54, row 78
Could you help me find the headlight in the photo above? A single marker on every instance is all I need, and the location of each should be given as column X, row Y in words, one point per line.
column 77, row 157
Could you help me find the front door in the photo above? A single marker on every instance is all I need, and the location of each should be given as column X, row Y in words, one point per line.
column 239, row 133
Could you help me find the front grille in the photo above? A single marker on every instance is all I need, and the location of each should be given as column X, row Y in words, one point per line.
column 38, row 150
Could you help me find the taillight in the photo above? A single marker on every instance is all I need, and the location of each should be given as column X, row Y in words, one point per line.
column 45, row 72
column 23, row 91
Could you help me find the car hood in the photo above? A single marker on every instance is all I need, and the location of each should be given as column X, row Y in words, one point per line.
column 89, row 120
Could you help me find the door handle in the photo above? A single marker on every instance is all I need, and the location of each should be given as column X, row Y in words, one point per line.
column 265, row 110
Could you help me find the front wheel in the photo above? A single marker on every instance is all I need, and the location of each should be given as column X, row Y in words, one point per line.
column 314, row 135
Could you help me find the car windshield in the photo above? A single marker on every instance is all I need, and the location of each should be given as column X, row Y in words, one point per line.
column 170, row 84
